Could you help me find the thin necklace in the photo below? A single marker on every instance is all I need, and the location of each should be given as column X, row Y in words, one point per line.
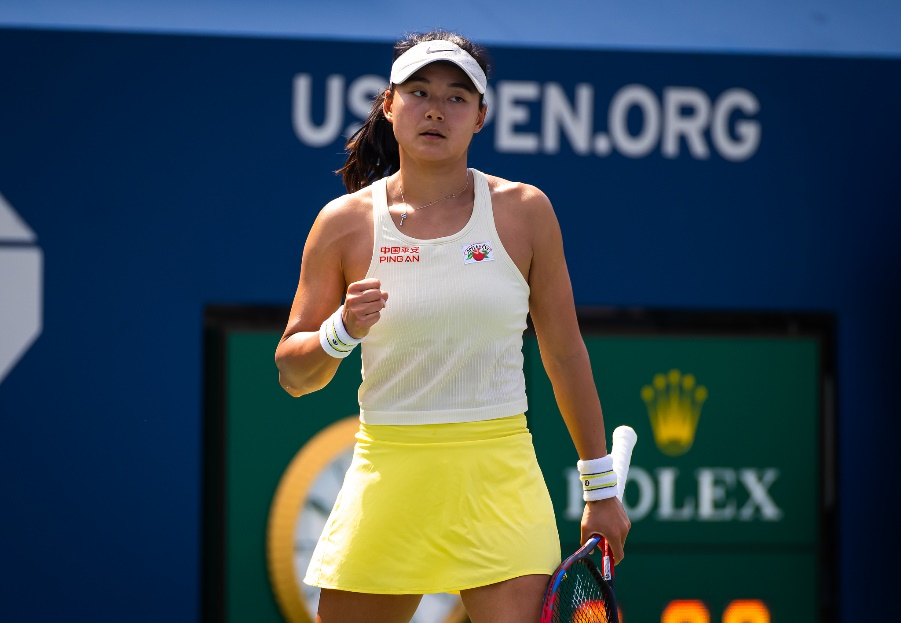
column 404, row 215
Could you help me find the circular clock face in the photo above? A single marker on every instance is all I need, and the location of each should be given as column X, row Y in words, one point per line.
column 301, row 506
column 310, row 522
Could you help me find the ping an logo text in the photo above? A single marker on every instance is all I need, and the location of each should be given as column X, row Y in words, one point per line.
column 398, row 255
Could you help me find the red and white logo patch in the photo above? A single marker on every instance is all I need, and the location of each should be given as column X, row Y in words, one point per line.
column 477, row 252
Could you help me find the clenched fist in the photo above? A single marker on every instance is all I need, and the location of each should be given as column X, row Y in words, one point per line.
column 363, row 305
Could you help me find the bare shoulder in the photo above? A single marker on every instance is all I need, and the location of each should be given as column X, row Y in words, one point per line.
column 347, row 215
column 524, row 219
column 525, row 200
column 341, row 236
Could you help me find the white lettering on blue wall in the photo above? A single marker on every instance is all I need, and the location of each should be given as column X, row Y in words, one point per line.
column 531, row 117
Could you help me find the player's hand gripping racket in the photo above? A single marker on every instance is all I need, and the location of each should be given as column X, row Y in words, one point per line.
column 579, row 592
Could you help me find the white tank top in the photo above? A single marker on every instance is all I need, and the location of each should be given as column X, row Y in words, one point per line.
column 448, row 346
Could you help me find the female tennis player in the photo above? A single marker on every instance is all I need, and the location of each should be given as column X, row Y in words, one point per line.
column 437, row 265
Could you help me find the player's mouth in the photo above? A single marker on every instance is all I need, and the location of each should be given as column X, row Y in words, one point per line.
column 432, row 134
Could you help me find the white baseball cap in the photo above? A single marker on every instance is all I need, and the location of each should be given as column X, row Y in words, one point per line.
column 427, row 52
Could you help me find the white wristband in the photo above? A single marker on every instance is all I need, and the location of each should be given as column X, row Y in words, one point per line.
column 598, row 478
column 334, row 338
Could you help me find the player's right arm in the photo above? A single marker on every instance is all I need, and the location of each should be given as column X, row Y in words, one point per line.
column 329, row 265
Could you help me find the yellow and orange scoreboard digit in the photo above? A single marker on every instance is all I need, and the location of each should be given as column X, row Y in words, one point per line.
column 728, row 492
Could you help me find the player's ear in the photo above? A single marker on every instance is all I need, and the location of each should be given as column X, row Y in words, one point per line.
column 387, row 104
column 480, row 121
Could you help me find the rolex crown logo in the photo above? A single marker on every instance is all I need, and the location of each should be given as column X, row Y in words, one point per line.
column 674, row 402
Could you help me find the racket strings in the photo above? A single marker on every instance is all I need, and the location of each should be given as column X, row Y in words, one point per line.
column 583, row 597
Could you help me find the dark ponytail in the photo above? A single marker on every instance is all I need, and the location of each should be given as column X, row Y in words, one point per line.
column 372, row 151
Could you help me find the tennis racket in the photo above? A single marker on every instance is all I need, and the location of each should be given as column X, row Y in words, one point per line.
column 579, row 592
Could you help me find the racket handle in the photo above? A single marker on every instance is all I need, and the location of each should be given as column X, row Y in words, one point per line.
column 607, row 562
column 624, row 439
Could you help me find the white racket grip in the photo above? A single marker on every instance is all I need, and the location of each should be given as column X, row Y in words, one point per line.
column 624, row 439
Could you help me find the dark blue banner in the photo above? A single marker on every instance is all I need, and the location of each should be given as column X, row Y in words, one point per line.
column 144, row 178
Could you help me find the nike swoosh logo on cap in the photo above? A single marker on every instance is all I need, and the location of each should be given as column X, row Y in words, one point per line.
column 431, row 51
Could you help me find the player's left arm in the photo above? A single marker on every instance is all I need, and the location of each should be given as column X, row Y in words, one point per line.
column 566, row 361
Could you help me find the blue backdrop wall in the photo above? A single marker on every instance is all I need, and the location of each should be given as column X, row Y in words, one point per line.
column 155, row 175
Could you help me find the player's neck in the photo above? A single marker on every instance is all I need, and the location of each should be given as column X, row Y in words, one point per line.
column 425, row 182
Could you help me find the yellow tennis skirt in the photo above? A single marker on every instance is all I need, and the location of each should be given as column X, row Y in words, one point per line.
column 437, row 508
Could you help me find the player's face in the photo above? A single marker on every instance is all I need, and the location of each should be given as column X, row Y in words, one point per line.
column 435, row 112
